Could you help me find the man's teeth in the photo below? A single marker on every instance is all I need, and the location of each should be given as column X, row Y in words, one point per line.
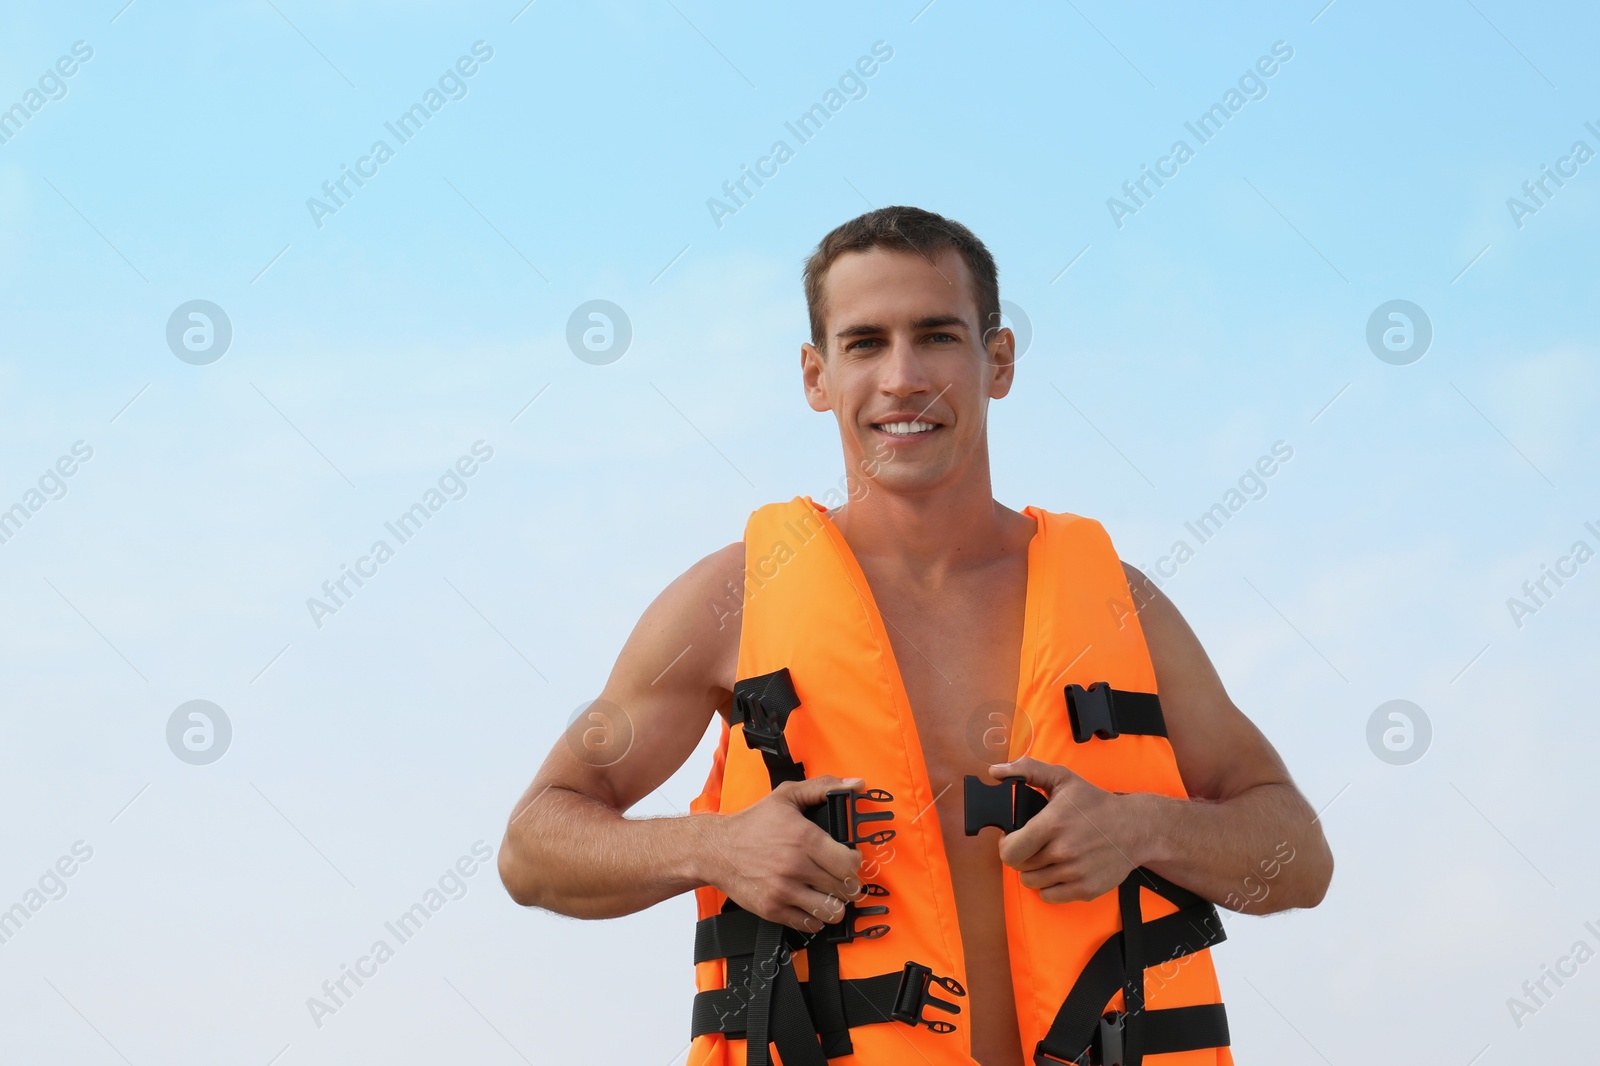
column 905, row 429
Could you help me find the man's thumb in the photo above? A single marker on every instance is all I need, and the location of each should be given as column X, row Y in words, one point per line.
column 814, row 790
column 1040, row 774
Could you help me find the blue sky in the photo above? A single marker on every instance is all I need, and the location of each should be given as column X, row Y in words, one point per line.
column 430, row 312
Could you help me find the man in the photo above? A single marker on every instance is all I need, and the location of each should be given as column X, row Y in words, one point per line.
column 918, row 634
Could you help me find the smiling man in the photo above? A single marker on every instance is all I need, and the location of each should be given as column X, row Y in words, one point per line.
column 910, row 670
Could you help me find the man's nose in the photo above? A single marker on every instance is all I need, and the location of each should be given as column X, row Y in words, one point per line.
column 903, row 372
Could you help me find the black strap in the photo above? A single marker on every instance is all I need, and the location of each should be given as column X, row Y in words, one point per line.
column 793, row 1030
column 901, row 996
column 776, row 1012
column 726, row 935
column 733, row 932
column 1132, row 966
column 762, row 705
column 762, row 984
column 827, row 998
column 1183, row 1029
column 1183, row 932
column 1106, row 712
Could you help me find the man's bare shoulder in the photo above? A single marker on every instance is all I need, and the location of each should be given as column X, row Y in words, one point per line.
column 705, row 604
column 1220, row 752
column 725, row 572
column 674, row 673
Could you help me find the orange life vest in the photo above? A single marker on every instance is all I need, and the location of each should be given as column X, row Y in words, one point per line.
column 817, row 670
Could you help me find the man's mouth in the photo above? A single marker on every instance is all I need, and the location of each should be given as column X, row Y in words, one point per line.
column 905, row 429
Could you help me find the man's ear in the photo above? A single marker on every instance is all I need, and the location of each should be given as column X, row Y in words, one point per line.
column 813, row 377
column 1001, row 354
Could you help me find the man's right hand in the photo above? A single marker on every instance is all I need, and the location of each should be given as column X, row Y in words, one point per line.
column 779, row 865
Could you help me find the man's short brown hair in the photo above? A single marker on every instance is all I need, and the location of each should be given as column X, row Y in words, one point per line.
column 906, row 229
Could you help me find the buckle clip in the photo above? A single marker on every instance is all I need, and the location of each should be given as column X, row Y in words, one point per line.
column 840, row 815
column 844, row 930
column 763, row 730
column 1091, row 712
column 913, row 997
column 1105, row 1048
column 1008, row 805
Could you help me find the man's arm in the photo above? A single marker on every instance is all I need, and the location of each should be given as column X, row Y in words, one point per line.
column 1246, row 837
column 568, row 847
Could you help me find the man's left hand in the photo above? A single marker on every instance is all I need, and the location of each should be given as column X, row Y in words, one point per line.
column 1077, row 848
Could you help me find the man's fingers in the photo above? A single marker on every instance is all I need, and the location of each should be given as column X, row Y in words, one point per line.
column 825, row 906
column 811, row 911
column 1020, row 849
column 832, row 880
column 796, row 918
column 838, row 863
column 1051, row 874
column 813, row 790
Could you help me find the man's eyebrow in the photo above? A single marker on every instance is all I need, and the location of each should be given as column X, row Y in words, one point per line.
column 930, row 322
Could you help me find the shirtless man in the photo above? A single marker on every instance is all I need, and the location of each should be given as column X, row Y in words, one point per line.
column 899, row 335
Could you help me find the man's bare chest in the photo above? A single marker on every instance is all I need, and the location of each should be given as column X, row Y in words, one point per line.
column 959, row 654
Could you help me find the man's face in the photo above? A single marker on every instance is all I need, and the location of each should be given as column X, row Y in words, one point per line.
column 905, row 345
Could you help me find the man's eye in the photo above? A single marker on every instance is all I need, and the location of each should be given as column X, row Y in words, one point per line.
column 944, row 336
column 859, row 343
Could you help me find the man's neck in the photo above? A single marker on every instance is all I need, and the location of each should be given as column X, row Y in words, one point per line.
column 929, row 539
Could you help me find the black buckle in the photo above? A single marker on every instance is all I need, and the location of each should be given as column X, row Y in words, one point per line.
column 1105, row 1049
column 912, row 997
column 840, row 815
column 1090, row 712
column 844, row 930
column 1007, row 805
column 763, row 730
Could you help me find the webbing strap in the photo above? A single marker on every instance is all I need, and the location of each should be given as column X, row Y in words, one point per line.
column 1172, row 936
column 1173, row 892
column 827, row 998
column 793, row 1031
column 762, row 705
column 1132, row 966
column 1138, row 713
column 775, row 1010
column 1106, row 712
column 769, row 942
column 1171, row 1029
column 867, row 1001
column 731, row 933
